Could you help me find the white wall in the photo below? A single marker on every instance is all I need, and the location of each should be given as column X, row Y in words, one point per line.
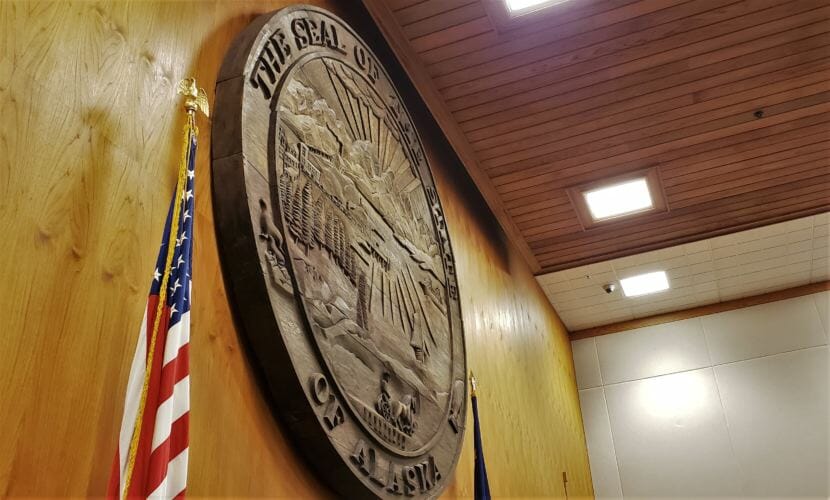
column 733, row 404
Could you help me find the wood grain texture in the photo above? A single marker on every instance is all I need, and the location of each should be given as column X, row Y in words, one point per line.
column 729, row 305
column 89, row 138
column 585, row 91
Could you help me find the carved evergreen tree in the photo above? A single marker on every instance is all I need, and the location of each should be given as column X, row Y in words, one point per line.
column 348, row 261
column 306, row 215
column 283, row 186
column 338, row 237
column 351, row 267
column 347, row 253
column 341, row 243
column 297, row 212
column 317, row 222
column 362, row 301
column 286, row 187
column 328, row 233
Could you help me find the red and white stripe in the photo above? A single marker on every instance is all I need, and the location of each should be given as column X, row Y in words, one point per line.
column 160, row 469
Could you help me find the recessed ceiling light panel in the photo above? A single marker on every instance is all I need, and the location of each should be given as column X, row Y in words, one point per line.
column 644, row 284
column 610, row 200
column 519, row 5
column 619, row 199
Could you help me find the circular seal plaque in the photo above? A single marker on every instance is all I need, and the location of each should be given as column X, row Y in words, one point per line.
column 336, row 254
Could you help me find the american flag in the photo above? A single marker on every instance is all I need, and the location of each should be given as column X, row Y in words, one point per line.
column 157, row 437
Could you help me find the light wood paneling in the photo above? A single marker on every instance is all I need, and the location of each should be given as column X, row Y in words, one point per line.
column 587, row 90
column 89, row 135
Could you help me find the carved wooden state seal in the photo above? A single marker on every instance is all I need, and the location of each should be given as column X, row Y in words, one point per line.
column 336, row 256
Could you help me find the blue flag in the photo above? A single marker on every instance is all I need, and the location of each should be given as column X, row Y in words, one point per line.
column 482, row 487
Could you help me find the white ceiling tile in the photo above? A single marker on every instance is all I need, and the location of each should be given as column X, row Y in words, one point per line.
column 772, row 229
column 597, row 268
column 699, row 257
column 763, row 243
column 574, row 294
column 800, row 246
column 647, row 257
column 551, row 278
column 709, row 297
column 662, row 306
column 728, row 240
column 767, row 284
column 578, row 288
column 674, row 262
column 597, row 320
column 721, row 242
column 800, row 235
column 753, row 266
column 603, row 309
column 797, row 224
column 593, row 280
column 702, row 267
column 703, row 278
column 765, row 274
column 747, row 236
column 582, row 271
column 560, row 286
column 684, row 286
column 679, row 282
column 732, row 294
column 820, row 271
column 703, row 272
column 724, row 251
column 798, row 257
column 604, row 301
column 820, row 274
column 706, row 286
column 749, row 257
column 697, row 247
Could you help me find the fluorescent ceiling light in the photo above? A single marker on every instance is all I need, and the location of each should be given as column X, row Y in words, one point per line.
column 644, row 284
column 619, row 199
column 516, row 5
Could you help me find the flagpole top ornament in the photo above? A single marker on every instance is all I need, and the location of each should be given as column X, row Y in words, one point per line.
column 195, row 97
column 473, row 384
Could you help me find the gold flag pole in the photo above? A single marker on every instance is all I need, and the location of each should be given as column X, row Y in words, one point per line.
column 473, row 384
column 195, row 100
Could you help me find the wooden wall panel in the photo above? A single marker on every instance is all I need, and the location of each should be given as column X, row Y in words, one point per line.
column 89, row 136
column 532, row 425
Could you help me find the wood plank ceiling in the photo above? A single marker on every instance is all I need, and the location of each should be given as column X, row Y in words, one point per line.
column 728, row 99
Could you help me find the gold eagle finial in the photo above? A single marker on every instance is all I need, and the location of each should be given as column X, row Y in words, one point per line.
column 195, row 97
